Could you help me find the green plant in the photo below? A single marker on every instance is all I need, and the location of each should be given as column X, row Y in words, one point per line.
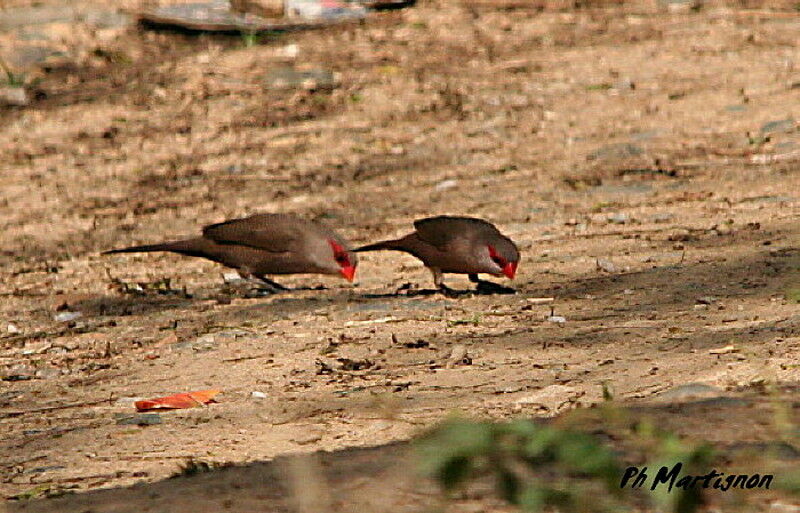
column 514, row 453
column 250, row 38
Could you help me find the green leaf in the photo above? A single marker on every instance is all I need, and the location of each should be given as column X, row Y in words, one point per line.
column 454, row 471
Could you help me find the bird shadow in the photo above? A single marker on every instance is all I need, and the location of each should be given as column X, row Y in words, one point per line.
column 484, row 288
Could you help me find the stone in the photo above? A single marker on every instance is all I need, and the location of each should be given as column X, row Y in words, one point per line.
column 459, row 356
column 690, row 391
column 445, row 185
column 615, row 151
column 662, row 217
column 307, row 438
column 723, row 229
column 606, row 265
column 14, row 96
column 781, row 126
column 138, row 419
column 66, row 316
column 618, row 218
column 551, row 399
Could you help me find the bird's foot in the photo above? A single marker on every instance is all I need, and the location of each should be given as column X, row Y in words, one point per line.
column 254, row 288
column 489, row 287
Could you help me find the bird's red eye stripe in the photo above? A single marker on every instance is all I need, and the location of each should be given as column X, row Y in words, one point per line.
column 496, row 256
column 339, row 253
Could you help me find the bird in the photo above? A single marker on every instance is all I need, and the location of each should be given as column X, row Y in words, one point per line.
column 465, row 245
column 266, row 244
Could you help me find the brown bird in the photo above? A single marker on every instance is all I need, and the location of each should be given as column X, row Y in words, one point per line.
column 458, row 245
column 265, row 244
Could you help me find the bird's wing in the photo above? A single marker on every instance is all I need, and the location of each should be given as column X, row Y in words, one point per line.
column 269, row 232
column 440, row 231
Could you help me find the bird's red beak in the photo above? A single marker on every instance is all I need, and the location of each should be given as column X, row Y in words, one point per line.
column 349, row 272
column 510, row 270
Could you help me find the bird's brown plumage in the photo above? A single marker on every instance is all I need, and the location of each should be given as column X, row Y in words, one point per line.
column 447, row 244
column 266, row 244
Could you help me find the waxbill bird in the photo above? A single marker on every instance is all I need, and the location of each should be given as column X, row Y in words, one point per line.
column 463, row 245
column 265, row 244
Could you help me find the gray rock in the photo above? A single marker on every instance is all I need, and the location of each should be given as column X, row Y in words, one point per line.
column 662, row 217
column 735, row 108
column 66, row 316
column 615, row 151
column 681, row 6
column 781, row 126
column 690, row 391
column 606, row 265
column 138, row 419
column 619, row 218
column 232, row 278
column 14, row 96
column 48, row 373
column 307, row 438
column 201, row 344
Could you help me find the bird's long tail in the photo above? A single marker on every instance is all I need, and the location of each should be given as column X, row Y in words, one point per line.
column 380, row 246
column 185, row 247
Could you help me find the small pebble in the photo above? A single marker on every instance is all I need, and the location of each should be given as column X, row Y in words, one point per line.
column 459, row 356
column 13, row 96
column 618, row 218
column 723, row 229
column 231, row 277
column 606, row 265
column 66, row 316
column 307, row 438
column 258, row 395
column 445, row 185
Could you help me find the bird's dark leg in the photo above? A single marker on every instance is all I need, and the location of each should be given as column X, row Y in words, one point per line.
column 489, row 287
column 256, row 285
column 276, row 287
column 438, row 280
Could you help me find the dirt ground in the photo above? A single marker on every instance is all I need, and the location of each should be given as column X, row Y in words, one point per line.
column 645, row 162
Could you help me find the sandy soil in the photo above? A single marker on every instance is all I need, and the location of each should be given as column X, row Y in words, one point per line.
column 622, row 148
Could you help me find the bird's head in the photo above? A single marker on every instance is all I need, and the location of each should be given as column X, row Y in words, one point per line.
column 505, row 258
column 346, row 260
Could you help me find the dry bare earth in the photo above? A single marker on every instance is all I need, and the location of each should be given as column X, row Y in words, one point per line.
column 498, row 114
